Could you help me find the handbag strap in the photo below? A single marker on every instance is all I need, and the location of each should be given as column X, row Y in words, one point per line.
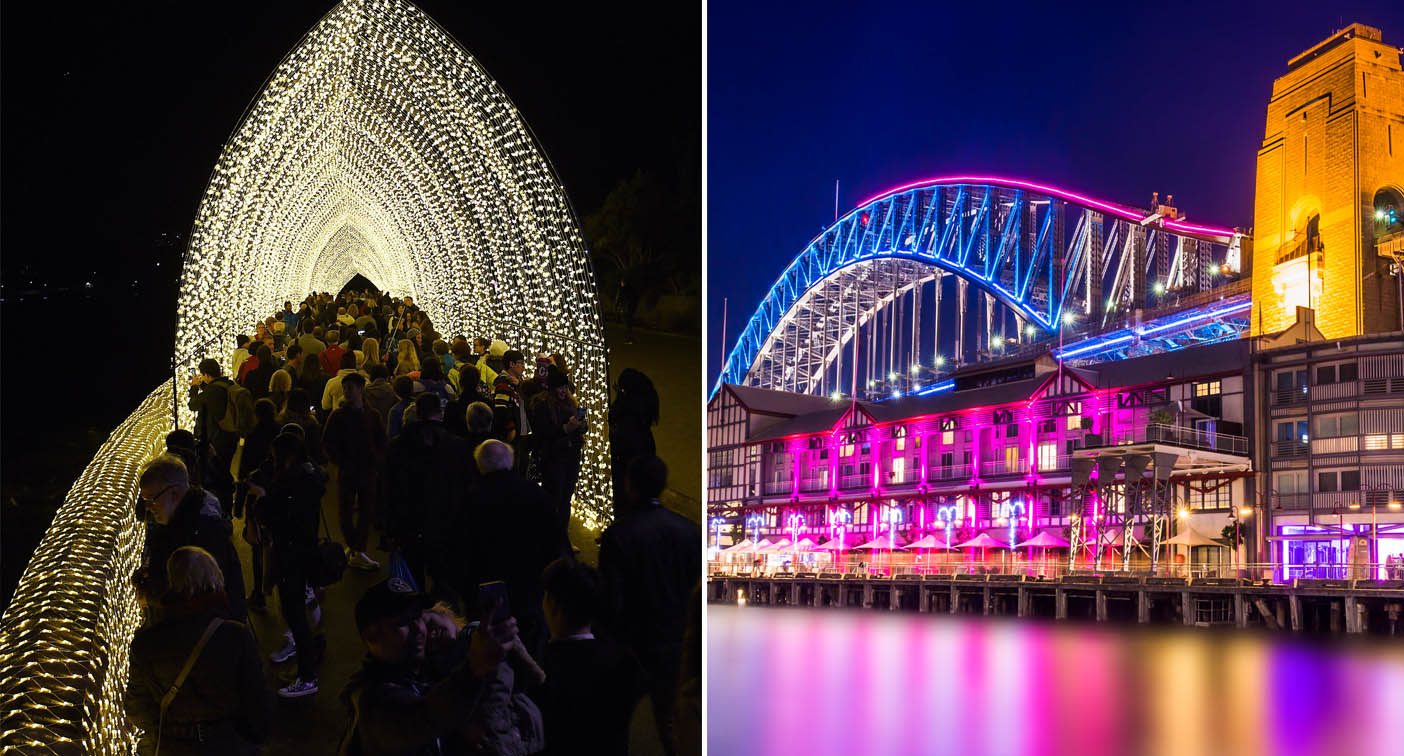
column 185, row 672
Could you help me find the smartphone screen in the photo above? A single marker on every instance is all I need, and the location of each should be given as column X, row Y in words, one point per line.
column 493, row 605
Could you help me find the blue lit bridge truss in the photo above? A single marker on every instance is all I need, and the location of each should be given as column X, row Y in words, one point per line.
column 924, row 278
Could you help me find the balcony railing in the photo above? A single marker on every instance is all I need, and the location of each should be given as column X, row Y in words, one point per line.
column 1176, row 435
column 856, row 480
column 1004, row 467
column 1289, row 449
column 813, row 484
column 1342, row 390
column 1284, row 397
column 905, row 477
column 778, row 487
column 949, row 472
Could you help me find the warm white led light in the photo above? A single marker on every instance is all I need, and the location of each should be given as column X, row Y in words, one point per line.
column 379, row 147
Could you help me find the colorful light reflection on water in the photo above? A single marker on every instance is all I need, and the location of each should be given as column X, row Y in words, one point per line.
column 821, row 682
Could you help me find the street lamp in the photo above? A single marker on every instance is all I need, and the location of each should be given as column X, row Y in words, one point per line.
column 717, row 523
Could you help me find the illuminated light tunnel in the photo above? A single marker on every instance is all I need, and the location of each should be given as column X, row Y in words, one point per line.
column 858, row 310
column 378, row 146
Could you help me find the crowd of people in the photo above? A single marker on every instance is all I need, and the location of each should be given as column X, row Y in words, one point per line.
column 486, row 634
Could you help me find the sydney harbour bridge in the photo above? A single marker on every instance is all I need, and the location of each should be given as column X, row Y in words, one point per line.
column 927, row 277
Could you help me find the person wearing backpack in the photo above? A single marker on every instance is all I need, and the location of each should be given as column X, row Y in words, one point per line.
column 217, row 428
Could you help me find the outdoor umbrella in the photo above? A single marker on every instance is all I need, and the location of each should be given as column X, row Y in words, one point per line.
column 930, row 542
column 982, row 542
column 881, row 543
column 1043, row 542
column 1189, row 538
column 780, row 545
column 805, row 545
column 745, row 545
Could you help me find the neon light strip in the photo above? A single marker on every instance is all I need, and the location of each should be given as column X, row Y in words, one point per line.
column 1203, row 316
column 1118, row 210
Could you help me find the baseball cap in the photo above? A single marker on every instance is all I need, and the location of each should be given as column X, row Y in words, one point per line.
column 392, row 598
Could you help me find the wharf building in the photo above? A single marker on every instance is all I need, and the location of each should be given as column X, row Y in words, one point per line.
column 1243, row 386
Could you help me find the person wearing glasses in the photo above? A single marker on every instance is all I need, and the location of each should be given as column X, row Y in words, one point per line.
column 183, row 515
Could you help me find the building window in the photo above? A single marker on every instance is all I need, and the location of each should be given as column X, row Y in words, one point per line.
column 1290, row 380
column 1011, row 457
column 1292, row 430
column 1208, row 388
column 948, row 437
column 899, row 444
column 1350, row 480
column 1048, row 456
column 1326, row 482
column 1341, row 373
column 969, row 436
column 1377, row 442
column 899, row 466
column 1290, row 482
column 1341, row 424
column 846, row 450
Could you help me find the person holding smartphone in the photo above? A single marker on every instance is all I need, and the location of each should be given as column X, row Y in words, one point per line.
column 559, row 426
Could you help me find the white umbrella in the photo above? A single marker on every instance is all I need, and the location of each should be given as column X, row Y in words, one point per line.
column 1044, row 540
column 783, row 543
column 1191, row 537
column 745, row 545
column 805, row 545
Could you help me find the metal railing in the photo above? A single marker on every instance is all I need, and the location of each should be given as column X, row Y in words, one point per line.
column 1289, row 449
column 949, row 472
column 856, row 480
column 813, row 484
column 1178, row 435
column 907, row 476
column 1004, row 467
column 1260, row 573
column 778, row 487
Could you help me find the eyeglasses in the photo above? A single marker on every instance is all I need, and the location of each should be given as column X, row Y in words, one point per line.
column 145, row 502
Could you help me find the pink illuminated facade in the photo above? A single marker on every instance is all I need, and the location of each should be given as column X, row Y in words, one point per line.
column 992, row 455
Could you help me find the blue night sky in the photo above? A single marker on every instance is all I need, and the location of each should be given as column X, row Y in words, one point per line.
column 1113, row 101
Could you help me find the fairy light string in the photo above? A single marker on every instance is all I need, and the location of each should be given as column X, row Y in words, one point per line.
column 378, row 146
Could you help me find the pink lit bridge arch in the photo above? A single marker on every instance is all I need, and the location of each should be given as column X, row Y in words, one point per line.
column 931, row 275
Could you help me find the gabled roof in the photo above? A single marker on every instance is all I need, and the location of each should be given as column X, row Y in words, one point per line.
column 809, row 424
column 1209, row 359
column 955, row 401
column 784, row 403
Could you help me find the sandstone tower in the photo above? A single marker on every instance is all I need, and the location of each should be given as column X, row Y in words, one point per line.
column 1329, row 207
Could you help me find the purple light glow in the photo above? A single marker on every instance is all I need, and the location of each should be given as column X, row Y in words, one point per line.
column 1119, row 210
column 823, row 682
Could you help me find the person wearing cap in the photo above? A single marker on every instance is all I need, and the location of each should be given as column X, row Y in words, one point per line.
column 558, row 433
column 396, row 705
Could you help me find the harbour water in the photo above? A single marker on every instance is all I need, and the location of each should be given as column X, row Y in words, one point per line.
column 822, row 682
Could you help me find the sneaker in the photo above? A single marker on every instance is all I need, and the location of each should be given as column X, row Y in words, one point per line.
column 362, row 561
column 298, row 688
column 288, row 651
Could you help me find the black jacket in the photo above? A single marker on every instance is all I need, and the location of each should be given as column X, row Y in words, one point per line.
column 198, row 521
column 225, row 689
column 426, row 484
column 649, row 559
column 396, row 710
column 591, row 688
column 512, row 537
column 290, row 510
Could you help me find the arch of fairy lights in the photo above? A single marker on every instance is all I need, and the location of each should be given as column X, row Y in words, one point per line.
column 380, row 147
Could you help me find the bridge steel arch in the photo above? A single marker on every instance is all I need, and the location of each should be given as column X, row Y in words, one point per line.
column 1030, row 253
column 378, row 146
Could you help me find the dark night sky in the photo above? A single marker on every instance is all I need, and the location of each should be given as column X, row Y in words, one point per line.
column 1114, row 101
